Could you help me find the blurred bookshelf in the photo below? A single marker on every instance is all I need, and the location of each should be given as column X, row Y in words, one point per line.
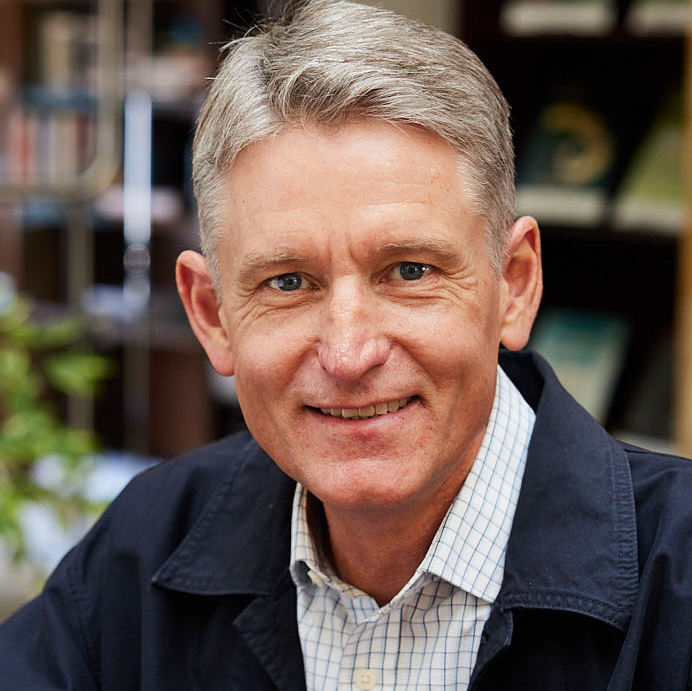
column 598, row 103
column 99, row 237
column 598, row 97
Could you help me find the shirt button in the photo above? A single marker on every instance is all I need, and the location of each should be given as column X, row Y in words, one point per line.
column 365, row 679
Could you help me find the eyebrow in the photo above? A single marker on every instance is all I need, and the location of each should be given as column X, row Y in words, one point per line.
column 256, row 263
column 438, row 249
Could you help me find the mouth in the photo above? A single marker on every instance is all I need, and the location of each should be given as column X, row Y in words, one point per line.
column 367, row 412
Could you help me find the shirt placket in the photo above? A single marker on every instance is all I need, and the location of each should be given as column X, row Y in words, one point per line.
column 371, row 653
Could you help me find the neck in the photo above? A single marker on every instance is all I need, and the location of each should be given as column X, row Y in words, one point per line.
column 377, row 552
column 378, row 549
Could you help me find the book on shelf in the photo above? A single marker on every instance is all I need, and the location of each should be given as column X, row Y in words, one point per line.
column 47, row 127
column 22, row 146
column 566, row 167
column 67, row 49
column 47, row 145
column 578, row 17
column 651, row 195
column 658, row 17
column 586, row 350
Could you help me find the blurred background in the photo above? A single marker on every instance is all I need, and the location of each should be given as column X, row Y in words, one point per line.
column 100, row 374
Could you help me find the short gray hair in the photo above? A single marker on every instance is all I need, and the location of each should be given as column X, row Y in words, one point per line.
column 327, row 61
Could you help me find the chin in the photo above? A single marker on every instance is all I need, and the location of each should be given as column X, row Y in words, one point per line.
column 371, row 496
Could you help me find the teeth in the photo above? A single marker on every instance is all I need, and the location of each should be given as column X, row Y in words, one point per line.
column 367, row 411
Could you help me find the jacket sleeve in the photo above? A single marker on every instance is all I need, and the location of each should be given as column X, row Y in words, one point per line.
column 44, row 646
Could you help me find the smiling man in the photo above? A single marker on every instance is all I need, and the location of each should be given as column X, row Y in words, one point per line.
column 406, row 512
column 361, row 314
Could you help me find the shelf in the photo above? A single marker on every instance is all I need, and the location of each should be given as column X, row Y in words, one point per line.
column 590, row 122
column 589, row 20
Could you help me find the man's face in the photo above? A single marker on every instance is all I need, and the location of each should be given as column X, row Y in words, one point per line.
column 362, row 313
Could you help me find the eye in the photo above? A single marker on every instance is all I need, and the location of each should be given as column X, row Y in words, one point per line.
column 286, row 282
column 410, row 271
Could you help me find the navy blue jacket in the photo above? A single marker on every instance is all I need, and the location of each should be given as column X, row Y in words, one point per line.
column 184, row 584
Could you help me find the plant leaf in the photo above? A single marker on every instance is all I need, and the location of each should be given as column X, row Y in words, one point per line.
column 77, row 373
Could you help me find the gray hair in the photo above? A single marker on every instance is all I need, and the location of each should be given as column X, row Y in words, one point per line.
column 331, row 60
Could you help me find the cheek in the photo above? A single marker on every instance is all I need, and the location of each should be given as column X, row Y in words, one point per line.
column 450, row 340
column 266, row 360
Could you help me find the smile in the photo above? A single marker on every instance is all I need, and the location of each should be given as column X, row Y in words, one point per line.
column 368, row 411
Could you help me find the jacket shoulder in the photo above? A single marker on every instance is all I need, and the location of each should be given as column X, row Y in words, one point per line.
column 662, row 487
column 196, row 474
column 657, row 476
column 162, row 503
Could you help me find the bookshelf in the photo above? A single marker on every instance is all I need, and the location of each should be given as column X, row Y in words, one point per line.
column 98, row 98
column 596, row 90
column 594, row 80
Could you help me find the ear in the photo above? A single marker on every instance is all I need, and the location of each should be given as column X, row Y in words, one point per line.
column 522, row 279
column 196, row 290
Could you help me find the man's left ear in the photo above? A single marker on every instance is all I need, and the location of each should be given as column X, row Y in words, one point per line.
column 522, row 283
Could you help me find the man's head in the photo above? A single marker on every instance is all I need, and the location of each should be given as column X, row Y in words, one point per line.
column 355, row 297
column 331, row 61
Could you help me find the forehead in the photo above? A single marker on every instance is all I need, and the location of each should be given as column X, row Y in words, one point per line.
column 366, row 176
column 368, row 147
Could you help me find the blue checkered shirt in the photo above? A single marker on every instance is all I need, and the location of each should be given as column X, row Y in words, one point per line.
column 428, row 635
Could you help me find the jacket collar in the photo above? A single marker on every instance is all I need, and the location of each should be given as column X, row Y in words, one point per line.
column 240, row 544
column 573, row 544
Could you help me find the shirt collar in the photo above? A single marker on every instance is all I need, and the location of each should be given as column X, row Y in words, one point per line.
column 305, row 563
column 469, row 547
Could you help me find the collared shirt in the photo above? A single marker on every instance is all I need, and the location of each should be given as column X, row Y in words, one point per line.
column 428, row 635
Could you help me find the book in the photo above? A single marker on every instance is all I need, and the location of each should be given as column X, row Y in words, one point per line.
column 67, row 49
column 586, row 350
column 651, row 196
column 578, row 17
column 23, row 146
column 659, row 17
column 566, row 168
column 56, row 39
column 47, row 144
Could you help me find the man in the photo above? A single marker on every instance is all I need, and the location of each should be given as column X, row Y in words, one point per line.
column 406, row 514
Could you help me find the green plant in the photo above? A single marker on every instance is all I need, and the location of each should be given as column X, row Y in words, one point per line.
column 37, row 359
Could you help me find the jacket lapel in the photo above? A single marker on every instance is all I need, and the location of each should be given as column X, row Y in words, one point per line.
column 268, row 626
column 573, row 544
column 240, row 546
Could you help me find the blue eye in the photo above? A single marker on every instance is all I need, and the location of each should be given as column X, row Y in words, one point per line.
column 412, row 271
column 287, row 282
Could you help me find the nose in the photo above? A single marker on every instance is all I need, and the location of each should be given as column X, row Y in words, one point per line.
column 352, row 341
